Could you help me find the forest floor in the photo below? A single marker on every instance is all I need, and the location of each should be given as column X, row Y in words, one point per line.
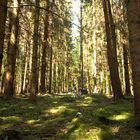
column 65, row 117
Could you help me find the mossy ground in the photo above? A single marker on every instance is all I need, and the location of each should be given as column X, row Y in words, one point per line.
column 54, row 118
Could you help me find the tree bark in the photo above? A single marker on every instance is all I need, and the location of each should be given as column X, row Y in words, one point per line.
column 11, row 52
column 54, row 76
column 126, row 71
column 111, row 51
column 50, row 74
column 133, row 15
column 44, row 48
column 81, row 47
column 34, row 86
column 3, row 15
column 51, row 45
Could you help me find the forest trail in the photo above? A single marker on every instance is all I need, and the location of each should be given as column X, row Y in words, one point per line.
column 65, row 117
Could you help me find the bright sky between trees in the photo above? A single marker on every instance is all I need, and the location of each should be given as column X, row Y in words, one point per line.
column 76, row 11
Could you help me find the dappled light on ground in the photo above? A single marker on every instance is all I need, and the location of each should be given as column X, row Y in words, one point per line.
column 68, row 118
column 122, row 117
column 56, row 110
column 86, row 102
column 115, row 129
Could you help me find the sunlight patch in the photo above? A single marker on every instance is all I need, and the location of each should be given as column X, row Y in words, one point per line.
column 115, row 130
column 88, row 99
column 10, row 121
column 122, row 116
column 55, row 102
column 93, row 133
column 80, row 133
column 6, row 126
column 86, row 102
column 33, row 121
column 57, row 109
column 11, row 118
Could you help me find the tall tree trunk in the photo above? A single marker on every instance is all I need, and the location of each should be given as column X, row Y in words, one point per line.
column 50, row 75
column 81, row 47
column 111, row 51
column 58, row 76
column 54, row 76
column 126, row 71
column 24, row 69
column 51, row 45
column 11, row 52
column 94, row 50
column 3, row 13
column 94, row 62
column 34, row 86
column 67, row 73
column 133, row 15
column 44, row 47
column 126, row 51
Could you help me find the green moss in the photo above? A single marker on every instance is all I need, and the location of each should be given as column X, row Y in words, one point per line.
column 54, row 117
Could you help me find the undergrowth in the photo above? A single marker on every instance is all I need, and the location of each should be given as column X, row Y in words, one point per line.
column 55, row 118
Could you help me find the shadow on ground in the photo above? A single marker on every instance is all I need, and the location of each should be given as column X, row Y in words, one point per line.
column 54, row 118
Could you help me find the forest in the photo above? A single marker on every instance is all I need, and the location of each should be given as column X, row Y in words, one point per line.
column 69, row 70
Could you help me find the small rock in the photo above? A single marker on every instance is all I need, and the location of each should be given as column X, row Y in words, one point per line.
column 78, row 114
